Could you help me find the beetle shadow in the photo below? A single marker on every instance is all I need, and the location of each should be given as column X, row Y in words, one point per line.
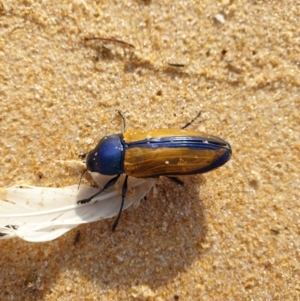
column 154, row 242
column 152, row 245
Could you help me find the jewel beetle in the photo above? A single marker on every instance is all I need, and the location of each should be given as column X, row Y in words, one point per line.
column 154, row 153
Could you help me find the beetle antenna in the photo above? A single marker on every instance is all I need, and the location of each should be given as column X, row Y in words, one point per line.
column 124, row 191
column 81, row 177
column 189, row 123
column 82, row 156
column 124, row 120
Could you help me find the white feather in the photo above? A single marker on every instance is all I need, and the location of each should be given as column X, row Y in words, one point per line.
column 41, row 214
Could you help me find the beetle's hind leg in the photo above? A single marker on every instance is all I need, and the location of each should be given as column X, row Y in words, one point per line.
column 124, row 191
column 107, row 185
column 176, row 180
column 190, row 122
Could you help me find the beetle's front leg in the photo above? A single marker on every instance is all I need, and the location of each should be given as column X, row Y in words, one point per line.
column 107, row 185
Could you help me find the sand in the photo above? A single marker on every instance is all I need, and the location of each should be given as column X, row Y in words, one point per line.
column 232, row 234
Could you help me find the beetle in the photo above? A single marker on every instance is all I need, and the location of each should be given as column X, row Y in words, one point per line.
column 154, row 153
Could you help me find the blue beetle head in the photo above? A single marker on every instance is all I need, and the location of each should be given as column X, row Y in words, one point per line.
column 107, row 158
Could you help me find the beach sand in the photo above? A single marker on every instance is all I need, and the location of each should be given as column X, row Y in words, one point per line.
column 232, row 234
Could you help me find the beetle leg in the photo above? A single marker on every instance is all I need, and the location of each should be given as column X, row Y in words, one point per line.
column 107, row 185
column 124, row 191
column 81, row 178
column 189, row 123
column 176, row 180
